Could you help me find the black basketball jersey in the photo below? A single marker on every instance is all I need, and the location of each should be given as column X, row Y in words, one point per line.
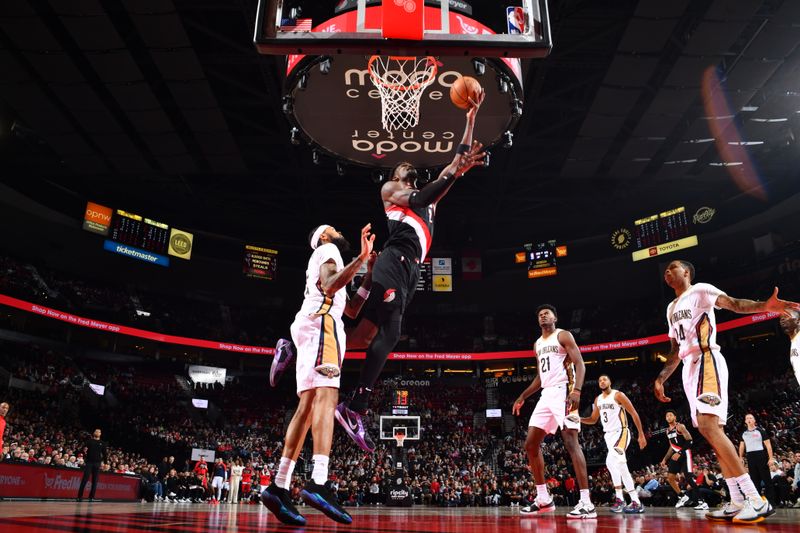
column 410, row 230
column 676, row 440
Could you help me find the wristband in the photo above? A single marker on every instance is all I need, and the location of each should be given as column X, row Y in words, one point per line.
column 576, row 389
column 364, row 293
column 462, row 149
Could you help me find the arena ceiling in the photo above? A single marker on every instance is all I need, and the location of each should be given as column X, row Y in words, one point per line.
column 163, row 106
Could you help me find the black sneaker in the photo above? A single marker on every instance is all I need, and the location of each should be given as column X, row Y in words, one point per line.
column 279, row 503
column 322, row 498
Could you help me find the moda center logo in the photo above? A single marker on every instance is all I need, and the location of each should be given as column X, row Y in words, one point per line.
column 340, row 111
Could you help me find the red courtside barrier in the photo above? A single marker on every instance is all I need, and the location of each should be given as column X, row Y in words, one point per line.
column 396, row 356
column 36, row 481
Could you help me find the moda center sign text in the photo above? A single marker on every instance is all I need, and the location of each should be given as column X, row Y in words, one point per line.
column 339, row 110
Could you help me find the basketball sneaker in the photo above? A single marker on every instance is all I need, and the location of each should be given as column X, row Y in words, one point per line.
column 583, row 511
column 702, row 506
column 617, row 505
column 634, row 508
column 752, row 512
column 683, row 500
column 726, row 514
column 354, row 425
column 284, row 355
column 278, row 501
column 322, row 498
column 537, row 508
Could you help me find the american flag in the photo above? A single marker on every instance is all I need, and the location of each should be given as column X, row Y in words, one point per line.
column 295, row 25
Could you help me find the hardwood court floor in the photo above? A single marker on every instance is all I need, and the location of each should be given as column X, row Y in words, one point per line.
column 183, row 518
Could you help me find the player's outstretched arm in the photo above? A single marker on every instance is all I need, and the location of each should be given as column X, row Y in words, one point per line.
column 628, row 406
column 535, row 385
column 743, row 306
column 566, row 340
column 354, row 304
column 330, row 281
column 669, row 367
column 592, row 418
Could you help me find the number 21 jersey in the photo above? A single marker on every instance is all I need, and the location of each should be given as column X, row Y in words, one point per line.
column 553, row 365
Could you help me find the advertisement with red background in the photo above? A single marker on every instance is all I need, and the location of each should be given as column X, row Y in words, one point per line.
column 33, row 481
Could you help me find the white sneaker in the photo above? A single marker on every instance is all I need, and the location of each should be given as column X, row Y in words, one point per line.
column 537, row 508
column 752, row 512
column 583, row 511
column 726, row 514
column 682, row 501
column 702, row 506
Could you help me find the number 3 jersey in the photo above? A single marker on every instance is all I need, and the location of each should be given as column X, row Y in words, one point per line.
column 692, row 322
column 554, row 366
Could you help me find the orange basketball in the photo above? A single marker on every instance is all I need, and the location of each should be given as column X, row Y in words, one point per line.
column 464, row 87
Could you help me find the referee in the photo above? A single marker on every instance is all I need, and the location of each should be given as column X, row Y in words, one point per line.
column 755, row 443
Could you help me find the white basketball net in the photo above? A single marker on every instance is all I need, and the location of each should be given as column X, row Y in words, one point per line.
column 401, row 81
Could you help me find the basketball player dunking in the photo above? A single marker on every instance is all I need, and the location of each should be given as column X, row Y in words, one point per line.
column 790, row 323
column 678, row 458
column 693, row 332
column 410, row 212
column 560, row 376
column 612, row 408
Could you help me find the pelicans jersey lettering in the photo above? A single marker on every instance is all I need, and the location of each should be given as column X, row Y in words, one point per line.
column 410, row 230
column 612, row 414
column 553, row 365
column 692, row 322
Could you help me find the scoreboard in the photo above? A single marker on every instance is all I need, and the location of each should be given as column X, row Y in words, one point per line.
column 541, row 259
column 665, row 232
column 134, row 230
column 260, row 263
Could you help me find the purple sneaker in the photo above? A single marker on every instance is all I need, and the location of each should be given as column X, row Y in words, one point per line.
column 284, row 355
column 617, row 506
column 353, row 424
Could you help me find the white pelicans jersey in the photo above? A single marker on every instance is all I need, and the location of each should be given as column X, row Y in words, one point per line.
column 554, row 366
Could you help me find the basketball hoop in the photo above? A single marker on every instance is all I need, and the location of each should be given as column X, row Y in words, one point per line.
column 399, row 437
column 401, row 80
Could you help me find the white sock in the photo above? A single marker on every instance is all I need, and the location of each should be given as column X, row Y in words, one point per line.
column 630, row 486
column 618, row 494
column 733, row 490
column 585, row 498
column 283, row 479
column 542, row 496
column 320, row 472
column 748, row 487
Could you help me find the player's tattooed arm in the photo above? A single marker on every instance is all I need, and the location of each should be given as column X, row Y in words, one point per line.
column 669, row 367
column 743, row 306
column 685, row 432
column 354, row 304
column 330, row 281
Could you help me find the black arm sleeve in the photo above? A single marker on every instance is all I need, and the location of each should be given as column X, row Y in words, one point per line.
column 430, row 193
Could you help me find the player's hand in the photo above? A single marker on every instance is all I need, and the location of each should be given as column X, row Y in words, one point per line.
column 473, row 158
column 367, row 242
column 573, row 400
column 658, row 388
column 373, row 256
column 776, row 305
column 518, row 403
column 662, row 464
column 676, row 456
column 642, row 442
column 475, row 104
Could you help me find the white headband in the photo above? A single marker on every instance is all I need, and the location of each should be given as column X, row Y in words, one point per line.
column 317, row 234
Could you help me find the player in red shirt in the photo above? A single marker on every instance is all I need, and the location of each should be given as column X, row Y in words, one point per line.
column 201, row 469
column 4, row 407
column 247, row 480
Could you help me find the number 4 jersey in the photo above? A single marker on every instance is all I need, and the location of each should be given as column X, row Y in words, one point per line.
column 554, row 366
column 692, row 322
